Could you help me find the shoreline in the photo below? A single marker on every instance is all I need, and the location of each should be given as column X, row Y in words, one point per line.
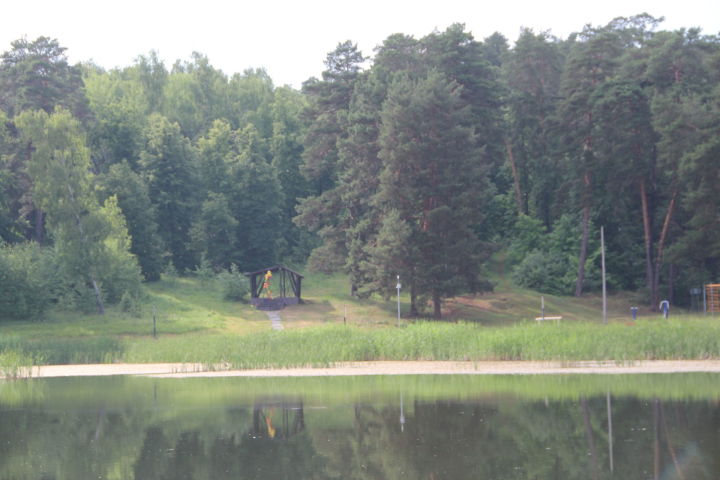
column 187, row 370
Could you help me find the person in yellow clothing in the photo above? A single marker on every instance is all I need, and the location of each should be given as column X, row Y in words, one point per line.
column 266, row 285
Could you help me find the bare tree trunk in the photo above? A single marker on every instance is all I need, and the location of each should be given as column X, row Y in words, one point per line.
column 98, row 296
column 437, row 306
column 516, row 177
column 647, row 229
column 585, row 238
column 413, row 301
column 655, row 290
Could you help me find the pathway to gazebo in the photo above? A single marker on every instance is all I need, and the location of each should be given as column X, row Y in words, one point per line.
column 274, row 316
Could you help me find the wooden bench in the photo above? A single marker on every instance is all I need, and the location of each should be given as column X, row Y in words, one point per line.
column 556, row 319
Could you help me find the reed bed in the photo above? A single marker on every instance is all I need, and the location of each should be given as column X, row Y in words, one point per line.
column 62, row 350
column 332, row 344
column 328, row 345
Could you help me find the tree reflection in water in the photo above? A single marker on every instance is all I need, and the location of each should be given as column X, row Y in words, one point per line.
column 452, row 440
column 276, row 446
column 490, row 437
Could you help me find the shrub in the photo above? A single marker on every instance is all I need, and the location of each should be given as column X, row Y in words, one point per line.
column 25, row 287
column 204, row 270
column 528, row 236
column 78, row 297
column 170, row 272
column 121, row 275
column 545, row 272
column 130, row 304
column 233, row 284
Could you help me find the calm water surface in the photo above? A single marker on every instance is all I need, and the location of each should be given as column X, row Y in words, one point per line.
column 415, row 427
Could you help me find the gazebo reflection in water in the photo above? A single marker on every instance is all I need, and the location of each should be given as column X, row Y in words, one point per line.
column 277, row 418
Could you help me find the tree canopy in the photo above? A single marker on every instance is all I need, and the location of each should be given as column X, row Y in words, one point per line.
column 421, row 160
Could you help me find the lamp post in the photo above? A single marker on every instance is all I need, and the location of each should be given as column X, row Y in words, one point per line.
column 398, row 299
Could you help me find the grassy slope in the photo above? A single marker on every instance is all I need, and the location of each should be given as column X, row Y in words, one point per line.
column 328, row 299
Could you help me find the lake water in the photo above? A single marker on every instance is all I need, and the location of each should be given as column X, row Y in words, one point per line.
column 406, row 427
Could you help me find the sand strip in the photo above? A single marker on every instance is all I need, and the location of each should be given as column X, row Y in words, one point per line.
column 184, row 370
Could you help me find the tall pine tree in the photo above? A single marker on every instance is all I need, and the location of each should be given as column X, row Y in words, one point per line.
column 433, row 186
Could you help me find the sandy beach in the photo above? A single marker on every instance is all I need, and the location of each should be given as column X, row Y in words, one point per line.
column 180, row 370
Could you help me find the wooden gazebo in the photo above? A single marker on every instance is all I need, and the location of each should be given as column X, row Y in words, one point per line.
column 284, row 281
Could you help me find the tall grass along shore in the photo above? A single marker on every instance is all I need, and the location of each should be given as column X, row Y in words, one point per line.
column 331, row 344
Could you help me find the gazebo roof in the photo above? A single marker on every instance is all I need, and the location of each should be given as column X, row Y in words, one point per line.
column 273, row 269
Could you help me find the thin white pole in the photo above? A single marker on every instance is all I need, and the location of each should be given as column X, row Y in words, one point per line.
column 398, row 300
column 604, row 289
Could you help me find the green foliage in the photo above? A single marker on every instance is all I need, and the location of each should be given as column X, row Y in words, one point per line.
column 75, row 297
column 546, row 272
column 120, row 273
column 389, row 254
column 214, row 232
column 130, row 304
column 119, row 107
column 408, row 138
column 36, row 75
column 328, row 101
column 286, row 149
column 91, row 243
column 233, row 284
column 133, row 199
column 11, row 226
column 170, row 271
column 250, row 95
column 194, row 95
column 529, row 235
column 549, row 260
column 26, row 289
column 617, row 123
column 167, row 162
column 150, row 72
column 432, row 175
column 204, row 269
column 256, row 203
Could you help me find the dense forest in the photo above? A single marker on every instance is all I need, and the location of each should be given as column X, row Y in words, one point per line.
column 422, row 161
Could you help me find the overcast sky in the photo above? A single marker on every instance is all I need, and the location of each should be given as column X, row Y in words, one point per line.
column 290, row 38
